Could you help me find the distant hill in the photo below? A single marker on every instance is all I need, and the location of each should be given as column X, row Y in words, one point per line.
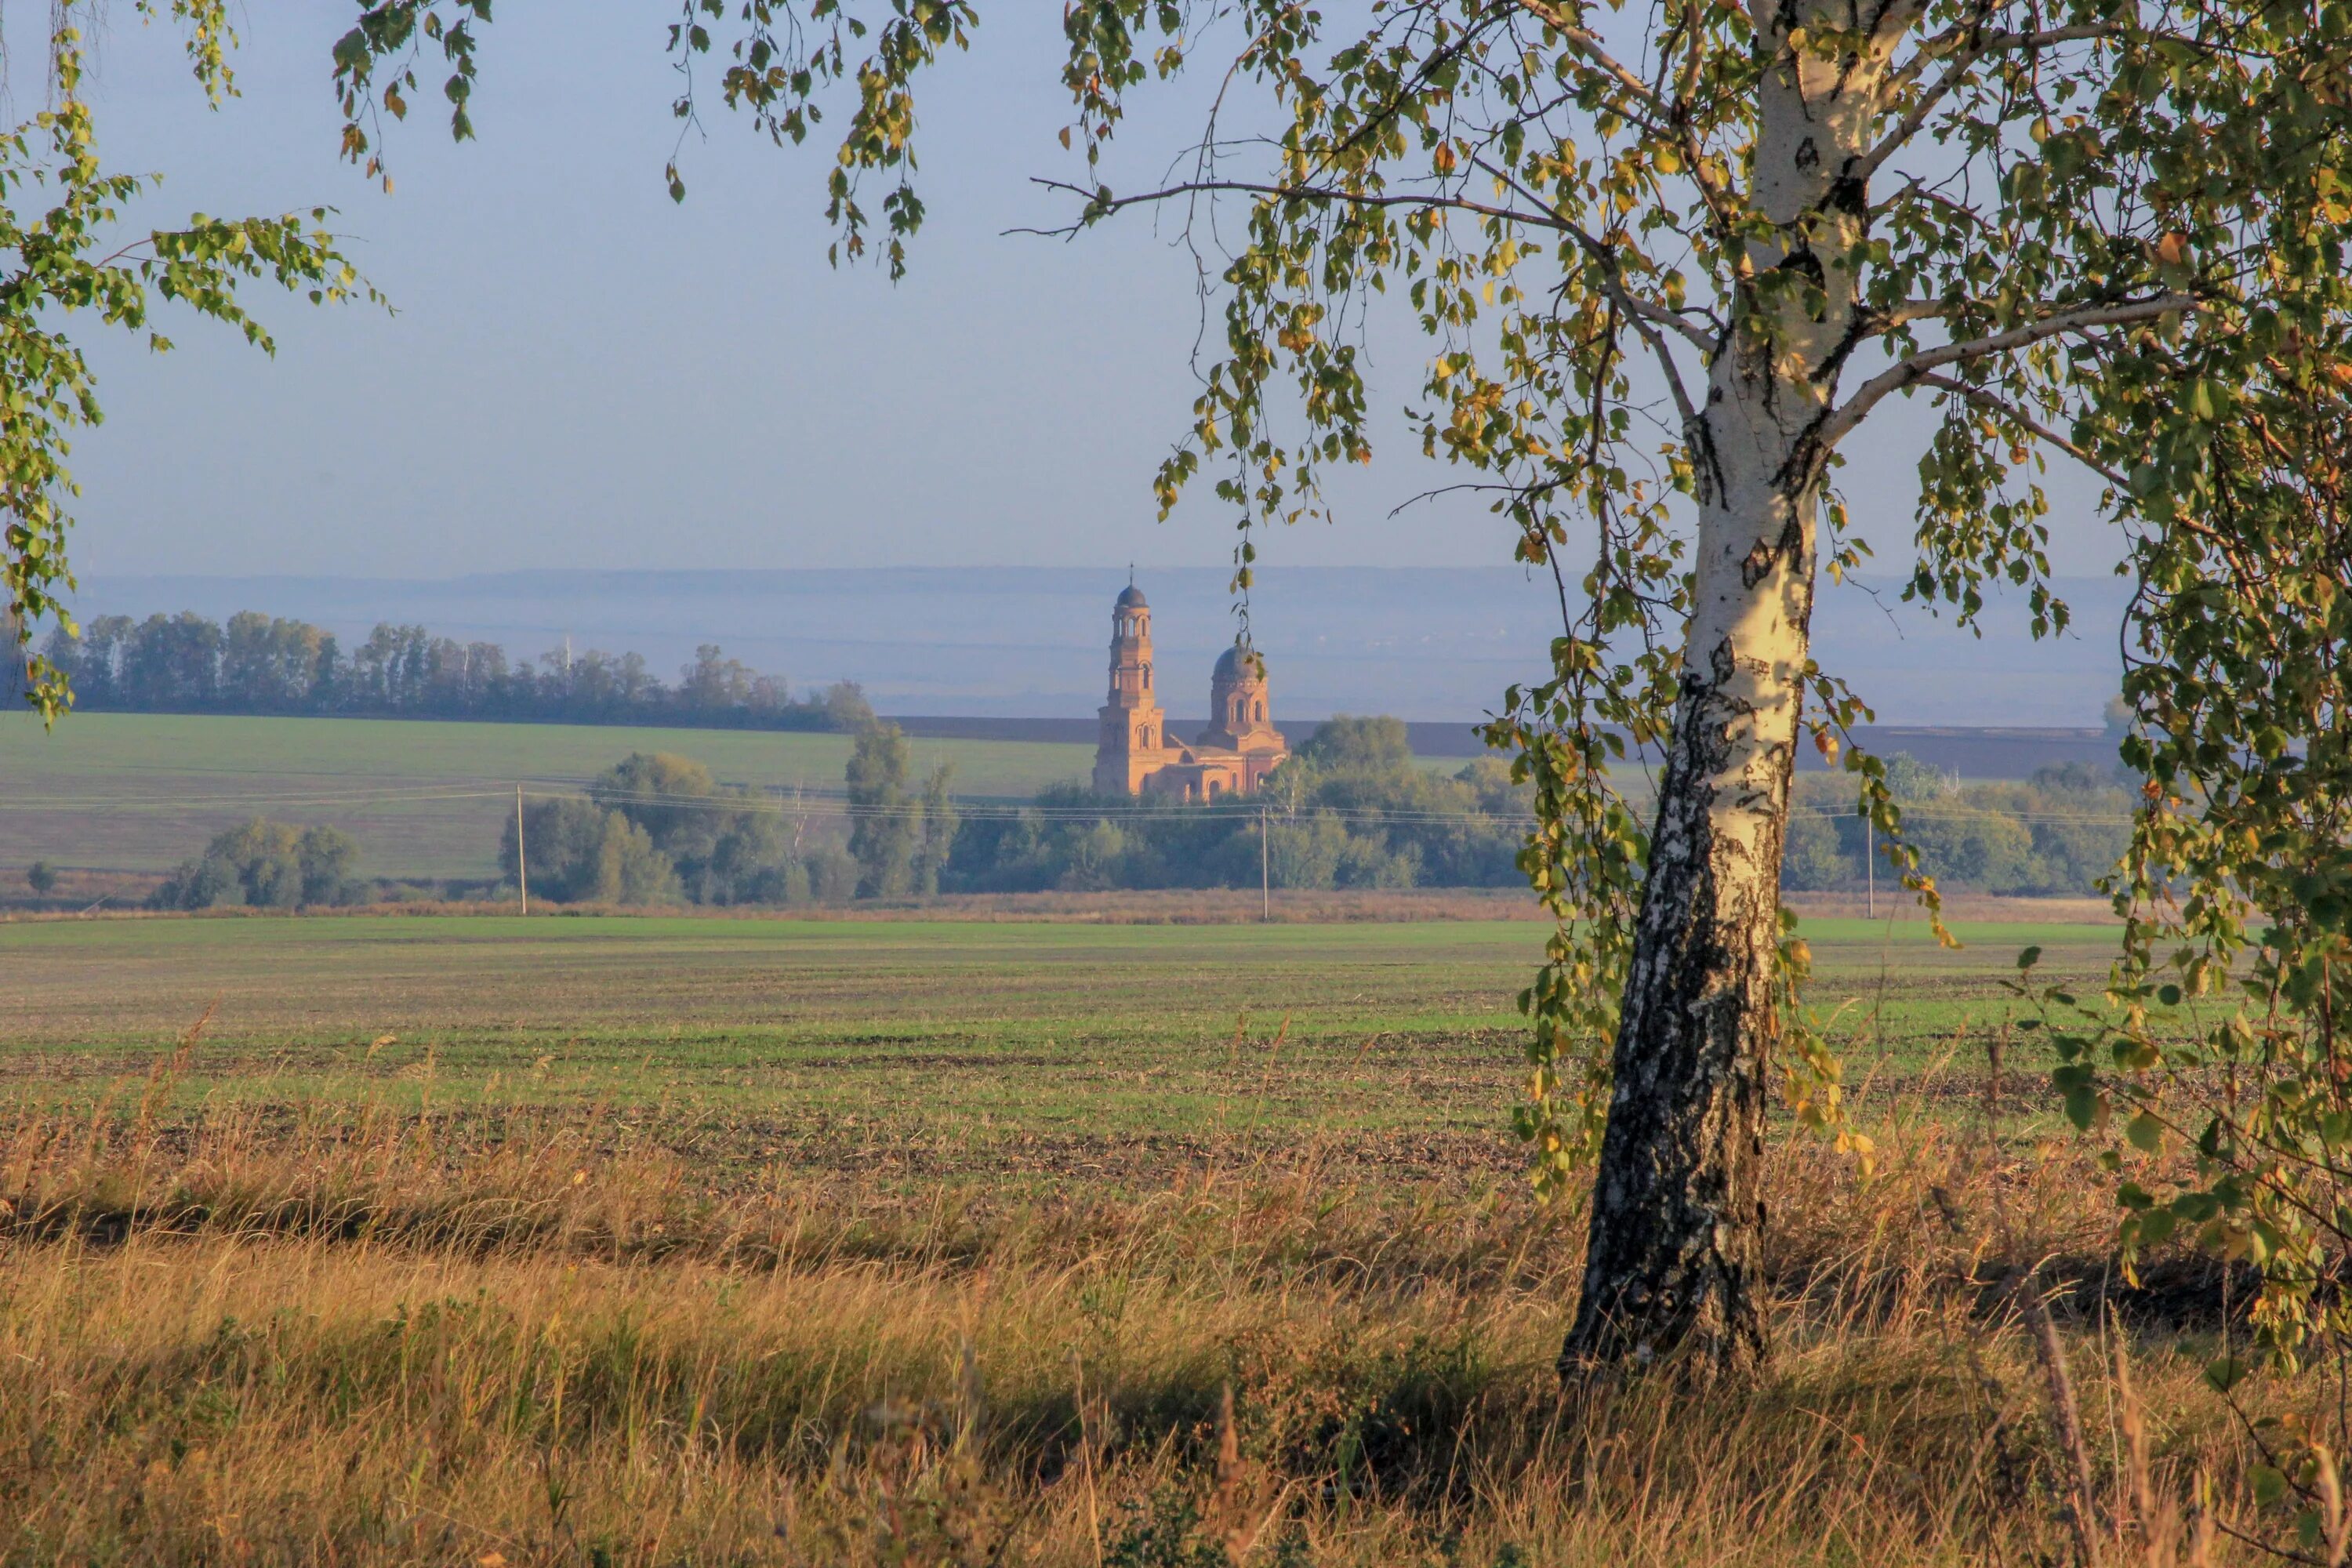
column 1012, row 642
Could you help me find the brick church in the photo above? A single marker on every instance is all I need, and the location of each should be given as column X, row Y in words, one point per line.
column 1136, row 754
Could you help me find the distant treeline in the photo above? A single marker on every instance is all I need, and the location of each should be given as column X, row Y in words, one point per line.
column 265, row 664
column 1350, row 809
column 2056, row 832
column 659, row 829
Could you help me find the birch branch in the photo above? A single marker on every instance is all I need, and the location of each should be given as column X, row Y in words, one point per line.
column 1913, row 369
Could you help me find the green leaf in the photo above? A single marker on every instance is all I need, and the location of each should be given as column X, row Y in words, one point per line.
column 2197, row 1207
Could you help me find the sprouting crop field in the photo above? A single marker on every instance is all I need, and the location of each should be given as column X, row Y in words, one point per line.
column 141, row 792
column 936, row 1045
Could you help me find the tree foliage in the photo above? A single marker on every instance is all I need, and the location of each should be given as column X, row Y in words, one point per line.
column 656, row 827
column 2226, row 1029
column 270, row 664
column 1351, row 809
column 575, row 851
column 2059, row 832
column 900, row 834
column 266, row 865
column 63, row 250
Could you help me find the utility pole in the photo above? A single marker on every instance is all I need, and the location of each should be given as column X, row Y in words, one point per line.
column 522, row 875
column 1264, row 873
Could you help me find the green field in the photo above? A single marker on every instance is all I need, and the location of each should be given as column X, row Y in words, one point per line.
column 139, row 792
column 934, row 1044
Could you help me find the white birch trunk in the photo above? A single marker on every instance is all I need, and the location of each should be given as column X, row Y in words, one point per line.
column 1674, row 1259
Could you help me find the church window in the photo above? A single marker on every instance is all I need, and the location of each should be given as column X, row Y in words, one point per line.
column 1261, row 710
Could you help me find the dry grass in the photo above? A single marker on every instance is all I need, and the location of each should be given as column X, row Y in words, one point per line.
column 305, row 1336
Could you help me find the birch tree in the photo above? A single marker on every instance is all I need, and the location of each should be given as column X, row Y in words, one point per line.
column 1671, row 262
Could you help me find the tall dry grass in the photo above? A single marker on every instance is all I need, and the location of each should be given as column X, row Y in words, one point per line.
column 291, row 1335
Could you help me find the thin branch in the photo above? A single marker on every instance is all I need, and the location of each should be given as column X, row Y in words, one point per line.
column 1606, row 255
column 2034, row 38
column 1916, row 367
column 1665, row 357
column 1861, row 168
column 1589, row 47
column 2041, row 432
column 1099, row 206
column 1918, row 190
column 1912, row 311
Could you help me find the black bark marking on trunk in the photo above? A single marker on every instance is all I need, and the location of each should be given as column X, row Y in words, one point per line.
column 1707, row 463
column 1675, row 1254
column 1802, row 469
column 1674, row 1264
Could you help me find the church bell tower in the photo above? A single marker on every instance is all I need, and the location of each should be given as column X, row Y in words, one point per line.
column 1133, row 727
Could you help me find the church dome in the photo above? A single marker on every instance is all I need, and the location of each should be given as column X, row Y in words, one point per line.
column 1132, row 598
column 1240, row 662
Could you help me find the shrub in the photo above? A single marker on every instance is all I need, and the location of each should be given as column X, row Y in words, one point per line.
column 266, row 865
column 576, row 852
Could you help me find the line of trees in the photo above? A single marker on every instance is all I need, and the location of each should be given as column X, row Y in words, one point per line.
column 267, row 664
column 1349, row 810
column 658, row 828
column 2055, row 834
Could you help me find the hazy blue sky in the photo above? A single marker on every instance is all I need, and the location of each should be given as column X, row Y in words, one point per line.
column 582, row 375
